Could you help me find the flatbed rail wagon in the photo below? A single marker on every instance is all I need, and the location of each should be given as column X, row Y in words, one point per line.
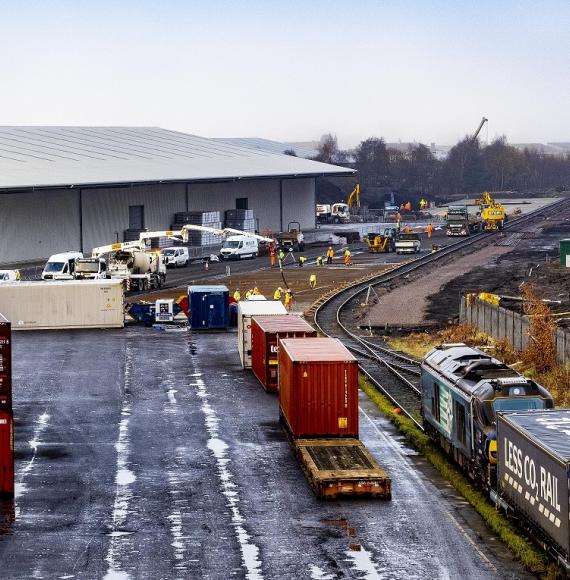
column 341, row 467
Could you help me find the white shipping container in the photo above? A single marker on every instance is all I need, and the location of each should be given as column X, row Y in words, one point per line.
column 63, row 304
column 246, row 311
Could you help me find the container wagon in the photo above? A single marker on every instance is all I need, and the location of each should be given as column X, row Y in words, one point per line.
column 63, row 304
column 534, row 466
column 266, row 331
column 247, row 309
column 318, row 404
column 6, row 415
column 209, row 307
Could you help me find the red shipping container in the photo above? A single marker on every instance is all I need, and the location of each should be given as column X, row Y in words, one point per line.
column 5, row 365
column 266, row 331
column 318, row 388
column 6, row 453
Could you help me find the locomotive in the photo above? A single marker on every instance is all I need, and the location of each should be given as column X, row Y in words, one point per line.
column 462, row 390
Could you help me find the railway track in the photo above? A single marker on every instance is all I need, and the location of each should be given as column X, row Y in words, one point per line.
column 393, row 373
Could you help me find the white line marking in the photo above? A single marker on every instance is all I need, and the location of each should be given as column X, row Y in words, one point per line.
column 218, row 447
column 124, row 477
column 20, row 487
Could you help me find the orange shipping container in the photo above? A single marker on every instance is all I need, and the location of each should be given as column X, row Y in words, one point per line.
column 318, row 388
column 266, row 331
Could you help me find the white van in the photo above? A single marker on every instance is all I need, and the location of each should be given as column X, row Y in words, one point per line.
column 61, row 266
column 237, row 247
column 176, row 256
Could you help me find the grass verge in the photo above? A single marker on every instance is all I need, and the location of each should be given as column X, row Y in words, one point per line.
column 530, row 556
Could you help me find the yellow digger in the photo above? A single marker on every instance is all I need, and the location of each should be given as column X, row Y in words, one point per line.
column 493, row 213
column 382, row 243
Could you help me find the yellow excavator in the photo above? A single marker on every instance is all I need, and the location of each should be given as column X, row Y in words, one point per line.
column 353, row 200
column 493, row 213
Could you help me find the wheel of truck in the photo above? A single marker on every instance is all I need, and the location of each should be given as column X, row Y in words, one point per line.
column 302, row 247
column 146, row 285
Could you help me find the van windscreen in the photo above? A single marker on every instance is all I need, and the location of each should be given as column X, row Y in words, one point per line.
column 54, row 266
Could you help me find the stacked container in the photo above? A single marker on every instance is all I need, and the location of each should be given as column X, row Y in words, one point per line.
column 266, row 332
column 208, row 307
column 246, row 311
column 6, row 416
column 318, row 388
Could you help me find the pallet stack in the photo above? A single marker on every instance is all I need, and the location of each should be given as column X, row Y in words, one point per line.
column 210, row 219
column 240, row 219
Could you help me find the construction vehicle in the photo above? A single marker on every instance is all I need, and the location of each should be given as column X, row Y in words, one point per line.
column 408, row 243
column 90, row 269
column 353, row 200
column 493, row 213
column 459, row 222
column 478, row 130
column 335, row 213
column 292, row 239
column 382, row 243
column 131, row 262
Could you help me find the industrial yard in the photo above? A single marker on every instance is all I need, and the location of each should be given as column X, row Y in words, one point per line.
column 261, row 320
column 170, row 462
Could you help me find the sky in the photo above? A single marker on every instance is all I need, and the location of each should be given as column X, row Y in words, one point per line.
column 409, row 70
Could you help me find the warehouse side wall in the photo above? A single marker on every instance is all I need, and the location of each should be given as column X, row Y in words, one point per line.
column 38, row 224
column 106, row 210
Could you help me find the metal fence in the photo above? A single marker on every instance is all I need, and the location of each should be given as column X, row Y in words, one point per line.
column 501, row 323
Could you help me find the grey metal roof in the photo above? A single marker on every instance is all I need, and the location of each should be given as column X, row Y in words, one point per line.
column 268, row 145
column 64, row 156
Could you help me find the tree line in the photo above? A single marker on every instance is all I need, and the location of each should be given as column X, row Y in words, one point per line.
column 469, row 167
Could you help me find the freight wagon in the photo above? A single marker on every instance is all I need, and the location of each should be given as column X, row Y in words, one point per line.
column 266, row 331
column 6, row 415
column 318, row 405
column 534, row 466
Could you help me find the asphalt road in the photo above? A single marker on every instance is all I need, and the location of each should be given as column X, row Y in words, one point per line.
column 148, row 454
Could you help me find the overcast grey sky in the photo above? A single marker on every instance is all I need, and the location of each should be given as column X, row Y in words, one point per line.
column 291, row 70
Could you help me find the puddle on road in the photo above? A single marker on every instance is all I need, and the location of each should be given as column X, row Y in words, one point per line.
column 360, row 557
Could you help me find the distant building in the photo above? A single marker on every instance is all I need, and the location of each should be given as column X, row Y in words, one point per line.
column 75, row 188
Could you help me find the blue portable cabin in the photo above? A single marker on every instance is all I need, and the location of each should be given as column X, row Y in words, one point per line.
column 462, row 389
column 208, row 307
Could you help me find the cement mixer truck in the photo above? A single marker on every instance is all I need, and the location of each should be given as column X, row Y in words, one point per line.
column 130, row 261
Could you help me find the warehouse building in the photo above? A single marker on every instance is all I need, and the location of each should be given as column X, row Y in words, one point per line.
column 68, row 188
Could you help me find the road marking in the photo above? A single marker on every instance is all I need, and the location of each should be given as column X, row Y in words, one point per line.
column 20, row 487
column 124, row 477
column 218, row 447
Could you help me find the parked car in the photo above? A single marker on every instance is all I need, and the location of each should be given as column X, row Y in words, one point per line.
column 237, row 247
column 61, row 266
column 175, row 257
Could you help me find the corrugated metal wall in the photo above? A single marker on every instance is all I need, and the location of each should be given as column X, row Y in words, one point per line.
column 38, row 224
column 106, row 210
column 299, row 202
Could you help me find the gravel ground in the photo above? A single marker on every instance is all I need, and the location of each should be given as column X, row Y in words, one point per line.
column 406, row 306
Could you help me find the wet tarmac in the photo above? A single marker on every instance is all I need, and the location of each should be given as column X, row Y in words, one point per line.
column 149, row 454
